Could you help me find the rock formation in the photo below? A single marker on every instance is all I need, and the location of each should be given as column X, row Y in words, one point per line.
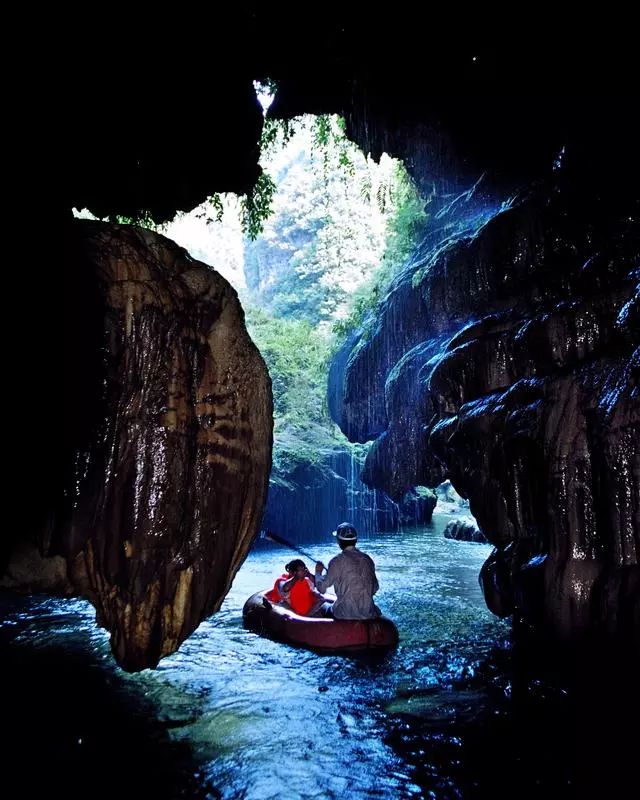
column 168, row 441
column 464, row 529
column 516, row 350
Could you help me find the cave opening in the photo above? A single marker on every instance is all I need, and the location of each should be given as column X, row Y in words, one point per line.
column 339, row 230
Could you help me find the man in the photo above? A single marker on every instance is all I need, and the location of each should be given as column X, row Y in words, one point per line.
column 353, row 575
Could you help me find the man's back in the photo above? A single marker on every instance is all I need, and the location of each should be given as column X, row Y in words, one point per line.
column 353, row 575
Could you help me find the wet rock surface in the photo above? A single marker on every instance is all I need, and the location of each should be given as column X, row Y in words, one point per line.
column 519, row 363
column 310, row 500
column 168, row 440
column 464, row 530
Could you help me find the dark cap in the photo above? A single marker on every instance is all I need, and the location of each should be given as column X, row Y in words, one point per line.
column 345, row 532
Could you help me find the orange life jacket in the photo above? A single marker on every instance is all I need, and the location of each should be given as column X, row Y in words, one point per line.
column 301, row 597
column 274, row 595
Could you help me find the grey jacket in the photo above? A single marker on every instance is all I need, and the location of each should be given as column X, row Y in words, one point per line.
column 353, row 575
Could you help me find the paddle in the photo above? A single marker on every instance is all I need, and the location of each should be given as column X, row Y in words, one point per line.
column 271, row 537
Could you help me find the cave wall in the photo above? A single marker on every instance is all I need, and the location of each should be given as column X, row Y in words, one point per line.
column 521, row 370
column 165, row 467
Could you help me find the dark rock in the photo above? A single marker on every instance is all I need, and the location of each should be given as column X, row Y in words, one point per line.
column 400, row 457
column 530, row 402
column 464, row 530
column 337, row 370
column 416, row 506
column 169, row 443
column 496, row 582
column 447, row 110
column 398, row 328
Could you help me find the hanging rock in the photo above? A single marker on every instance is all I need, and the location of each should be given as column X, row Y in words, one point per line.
column 168, row 439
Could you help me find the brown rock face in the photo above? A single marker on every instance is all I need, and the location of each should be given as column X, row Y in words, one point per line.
column 169, row 442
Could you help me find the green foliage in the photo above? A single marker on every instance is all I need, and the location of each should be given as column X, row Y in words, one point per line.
column 322, row 131
column 325, row 234
column 328, row 137
column 142, row 219
column 331, row 143
column 407, row 219
column 256, row 206
column 276, row 134
column 342, row 226
column 297, row 359
column 217, row 206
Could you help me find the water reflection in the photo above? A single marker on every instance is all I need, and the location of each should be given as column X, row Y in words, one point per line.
column 258, row 717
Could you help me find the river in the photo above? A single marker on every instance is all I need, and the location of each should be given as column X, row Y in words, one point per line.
column 234, row 715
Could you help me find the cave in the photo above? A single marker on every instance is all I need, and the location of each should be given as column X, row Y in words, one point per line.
column 507, row 361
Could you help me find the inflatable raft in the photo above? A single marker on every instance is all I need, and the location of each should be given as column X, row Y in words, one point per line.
column 317, row 633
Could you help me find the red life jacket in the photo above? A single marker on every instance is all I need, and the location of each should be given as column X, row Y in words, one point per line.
column 274, row 595
column 301, row 597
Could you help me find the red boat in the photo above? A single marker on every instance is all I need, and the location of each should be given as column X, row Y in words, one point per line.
column 318, row 633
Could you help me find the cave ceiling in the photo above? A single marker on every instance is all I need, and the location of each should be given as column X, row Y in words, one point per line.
column 157, row 115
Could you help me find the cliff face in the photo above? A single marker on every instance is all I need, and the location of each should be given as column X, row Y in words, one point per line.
column 168, row 446
column 309, row 500
column 508, row 361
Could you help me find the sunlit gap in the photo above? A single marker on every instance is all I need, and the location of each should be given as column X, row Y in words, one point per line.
column 311, row 269
column 265, row 92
